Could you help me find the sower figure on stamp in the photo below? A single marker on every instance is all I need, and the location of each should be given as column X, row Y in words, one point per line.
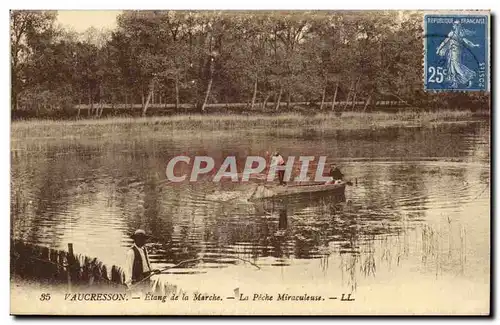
column 138, row 266
column 451, row 48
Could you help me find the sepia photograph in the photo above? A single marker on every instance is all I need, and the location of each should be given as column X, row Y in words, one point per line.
column 250, row 162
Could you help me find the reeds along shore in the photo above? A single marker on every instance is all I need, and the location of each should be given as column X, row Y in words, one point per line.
column 319, row 122
column 43, row 264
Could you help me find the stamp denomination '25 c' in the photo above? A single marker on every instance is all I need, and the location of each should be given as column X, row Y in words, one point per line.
column 456, row 52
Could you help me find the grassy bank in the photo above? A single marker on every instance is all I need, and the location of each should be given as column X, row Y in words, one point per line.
column 194, row 124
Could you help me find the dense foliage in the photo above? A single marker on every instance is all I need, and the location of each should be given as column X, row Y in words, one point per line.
column 195, row 58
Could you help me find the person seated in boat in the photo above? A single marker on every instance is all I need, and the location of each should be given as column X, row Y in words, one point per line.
column 279, row 161
column 335, row 174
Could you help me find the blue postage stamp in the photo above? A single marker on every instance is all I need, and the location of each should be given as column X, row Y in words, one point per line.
column 456, row 52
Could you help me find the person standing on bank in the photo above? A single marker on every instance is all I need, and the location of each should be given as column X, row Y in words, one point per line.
column 138, row 266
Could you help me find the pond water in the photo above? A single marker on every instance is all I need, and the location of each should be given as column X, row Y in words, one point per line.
column 416, row 221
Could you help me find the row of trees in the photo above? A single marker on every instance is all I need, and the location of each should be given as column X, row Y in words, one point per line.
column 195, row 58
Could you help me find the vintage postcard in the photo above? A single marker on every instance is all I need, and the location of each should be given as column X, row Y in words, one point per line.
column 250, row 162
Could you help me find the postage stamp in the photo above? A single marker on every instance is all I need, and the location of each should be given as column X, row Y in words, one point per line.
column 456, row 52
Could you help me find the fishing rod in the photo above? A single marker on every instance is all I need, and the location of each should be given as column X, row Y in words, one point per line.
column 160, row 271
column 165, row 269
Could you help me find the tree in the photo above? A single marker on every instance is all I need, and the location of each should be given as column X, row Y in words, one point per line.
column 30, row 31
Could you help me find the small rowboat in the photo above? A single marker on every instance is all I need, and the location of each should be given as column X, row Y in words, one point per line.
column 272, row 191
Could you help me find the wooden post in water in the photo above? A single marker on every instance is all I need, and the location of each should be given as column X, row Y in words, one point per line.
column 71, row 259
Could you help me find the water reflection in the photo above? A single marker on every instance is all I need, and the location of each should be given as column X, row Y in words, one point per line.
column 95, row 194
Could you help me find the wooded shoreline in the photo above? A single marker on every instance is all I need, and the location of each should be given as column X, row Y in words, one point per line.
column 195, row 61
column 101, row 110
